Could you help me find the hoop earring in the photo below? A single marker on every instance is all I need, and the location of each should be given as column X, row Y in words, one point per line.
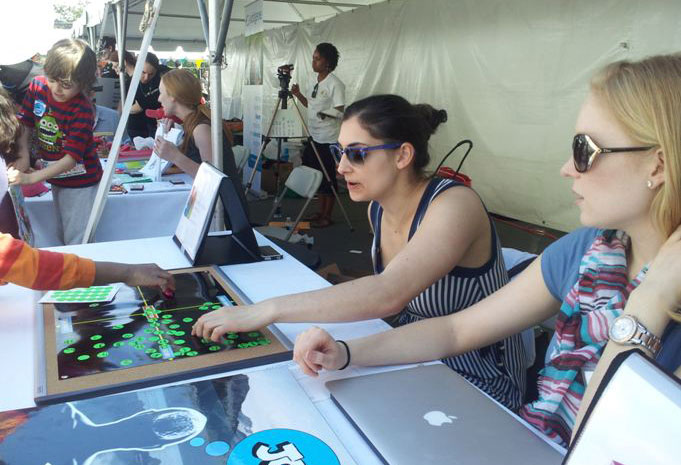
column 649, row 184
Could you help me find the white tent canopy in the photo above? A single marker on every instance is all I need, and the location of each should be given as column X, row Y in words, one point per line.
column 511, row 75
column 180, row 24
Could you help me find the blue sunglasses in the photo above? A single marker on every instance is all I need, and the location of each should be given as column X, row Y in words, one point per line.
column 356, row 155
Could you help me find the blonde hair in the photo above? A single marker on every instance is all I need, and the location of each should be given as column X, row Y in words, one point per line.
column 645, row 97
column 73, row 60
column 184, row 87
column 10, row 128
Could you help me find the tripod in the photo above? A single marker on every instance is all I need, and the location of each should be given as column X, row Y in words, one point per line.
column 283, row 98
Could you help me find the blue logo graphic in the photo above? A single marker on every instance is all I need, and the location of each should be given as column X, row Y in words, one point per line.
column 282, row 447
column 39, row 108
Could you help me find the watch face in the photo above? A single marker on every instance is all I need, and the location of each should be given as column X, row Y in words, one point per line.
column 622, row 329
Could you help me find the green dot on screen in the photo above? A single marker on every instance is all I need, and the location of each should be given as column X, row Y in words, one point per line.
column 126, row 362
column 96, row 337
column 180, row 333
column 193, row 353
column 187, row 320
column 69, row 350
column 99, row 345
column 127, row 335
column 118, row 327
column 150, row 350
column 83, row 357
column 118, row 344
column 156, row 355
column 69, row 341
column 254, row 334
column 215, row 307
column 153, row 338
column 214, row 348
column 232, row 336
column 103, row 354
column 179, row 341
column 175, row 326
column 204, row 307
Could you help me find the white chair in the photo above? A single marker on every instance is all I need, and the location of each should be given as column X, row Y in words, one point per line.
column 304, row 181
column 240, row 157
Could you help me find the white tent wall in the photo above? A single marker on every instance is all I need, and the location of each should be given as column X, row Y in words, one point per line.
column 511, row 75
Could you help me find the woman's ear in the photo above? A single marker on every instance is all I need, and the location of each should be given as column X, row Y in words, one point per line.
column 657, row 172
column 405, row 155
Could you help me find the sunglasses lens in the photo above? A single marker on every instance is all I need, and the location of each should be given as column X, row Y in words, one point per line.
column 337, row 152
column 581, row 151
column 355, row 156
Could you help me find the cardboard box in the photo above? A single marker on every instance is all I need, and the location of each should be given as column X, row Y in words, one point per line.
column 268, row 180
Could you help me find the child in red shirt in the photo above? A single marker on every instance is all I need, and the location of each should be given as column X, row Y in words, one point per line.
column 62, row 117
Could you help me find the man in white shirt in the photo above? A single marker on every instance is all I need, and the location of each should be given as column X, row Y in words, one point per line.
column 324, row 105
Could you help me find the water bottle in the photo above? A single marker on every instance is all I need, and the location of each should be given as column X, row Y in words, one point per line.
column 288, row 224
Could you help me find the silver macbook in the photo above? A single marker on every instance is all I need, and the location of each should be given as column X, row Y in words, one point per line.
column 431, row 415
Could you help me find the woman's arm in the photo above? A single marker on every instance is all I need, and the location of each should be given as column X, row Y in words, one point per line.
column 441, row 241
column 518, row 305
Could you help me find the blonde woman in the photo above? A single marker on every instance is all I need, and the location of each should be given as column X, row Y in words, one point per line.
column 614, row 278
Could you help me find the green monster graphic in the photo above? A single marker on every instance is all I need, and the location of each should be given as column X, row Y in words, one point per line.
column 49, row 133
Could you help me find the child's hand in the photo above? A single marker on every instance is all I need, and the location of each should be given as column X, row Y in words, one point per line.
column 166, row 150
column 17, row 178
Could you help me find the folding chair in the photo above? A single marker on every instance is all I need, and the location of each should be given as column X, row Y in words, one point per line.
column 304, row 181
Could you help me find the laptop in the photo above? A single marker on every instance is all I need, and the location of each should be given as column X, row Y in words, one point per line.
column 635, row 417
column 431, row 415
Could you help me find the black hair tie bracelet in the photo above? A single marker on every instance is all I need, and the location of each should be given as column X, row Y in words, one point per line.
column 347, row 352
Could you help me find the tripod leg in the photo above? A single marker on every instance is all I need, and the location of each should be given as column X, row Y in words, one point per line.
column 321, row 164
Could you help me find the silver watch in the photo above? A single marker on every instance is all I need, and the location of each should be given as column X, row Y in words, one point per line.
column 626, row 329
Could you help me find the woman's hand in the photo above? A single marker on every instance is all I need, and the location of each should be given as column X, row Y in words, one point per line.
column 295, row 90
column 215, row 324
column 316, row 349
column 167, row 124
column 17, row 178
column 662, row 279
column 166, row 150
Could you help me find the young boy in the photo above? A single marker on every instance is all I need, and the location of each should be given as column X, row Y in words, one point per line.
column 62, row 118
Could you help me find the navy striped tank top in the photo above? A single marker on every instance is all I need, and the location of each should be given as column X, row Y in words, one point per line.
column 498, row 369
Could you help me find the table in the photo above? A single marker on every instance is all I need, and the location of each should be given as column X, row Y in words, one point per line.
column 125, row 216
column 17, row 320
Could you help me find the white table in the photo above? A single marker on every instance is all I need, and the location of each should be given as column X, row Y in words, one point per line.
column 125, row 216
column 17, row 320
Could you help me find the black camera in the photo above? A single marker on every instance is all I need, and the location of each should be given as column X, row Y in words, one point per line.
column 284, row 75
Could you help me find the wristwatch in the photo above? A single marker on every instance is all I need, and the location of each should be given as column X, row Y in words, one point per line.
column 626, row 329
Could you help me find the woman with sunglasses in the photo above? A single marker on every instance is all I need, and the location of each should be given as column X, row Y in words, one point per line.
column 325, row 99
column 617, row 279
column 435, row 249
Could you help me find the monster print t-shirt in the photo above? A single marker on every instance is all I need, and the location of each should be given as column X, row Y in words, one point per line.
column 62, row 129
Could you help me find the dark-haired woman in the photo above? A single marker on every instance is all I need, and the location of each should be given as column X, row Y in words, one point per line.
column 435, row 249
column 146, row 97
column 324, row 100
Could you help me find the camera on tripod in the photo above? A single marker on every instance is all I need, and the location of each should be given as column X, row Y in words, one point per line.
column 284, row 75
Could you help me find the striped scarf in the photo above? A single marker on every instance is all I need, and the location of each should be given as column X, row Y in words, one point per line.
column 597, row 298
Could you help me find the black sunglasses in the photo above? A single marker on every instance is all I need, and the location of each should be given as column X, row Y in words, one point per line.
column 356, row 155
column 585, row 151
column 314, row 90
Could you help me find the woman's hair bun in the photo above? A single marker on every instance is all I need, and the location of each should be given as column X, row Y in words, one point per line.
column 432, row 117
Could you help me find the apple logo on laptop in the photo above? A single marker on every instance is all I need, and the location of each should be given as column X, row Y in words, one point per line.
column 438, row 418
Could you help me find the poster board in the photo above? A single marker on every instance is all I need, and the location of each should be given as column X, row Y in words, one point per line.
column 142, row 339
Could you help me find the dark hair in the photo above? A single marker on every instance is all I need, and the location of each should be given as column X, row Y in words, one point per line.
column 10, row 128
column 129, row 58
column 392, row 118
column 107, row 41
column 152, row 60
column 329, row 53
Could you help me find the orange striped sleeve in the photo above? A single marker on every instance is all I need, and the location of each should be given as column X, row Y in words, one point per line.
column 42, row 270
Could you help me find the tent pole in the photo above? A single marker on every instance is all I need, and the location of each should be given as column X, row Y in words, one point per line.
column 122, row 16
column 105, row 183
column 204, row 19
column 224, row 27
